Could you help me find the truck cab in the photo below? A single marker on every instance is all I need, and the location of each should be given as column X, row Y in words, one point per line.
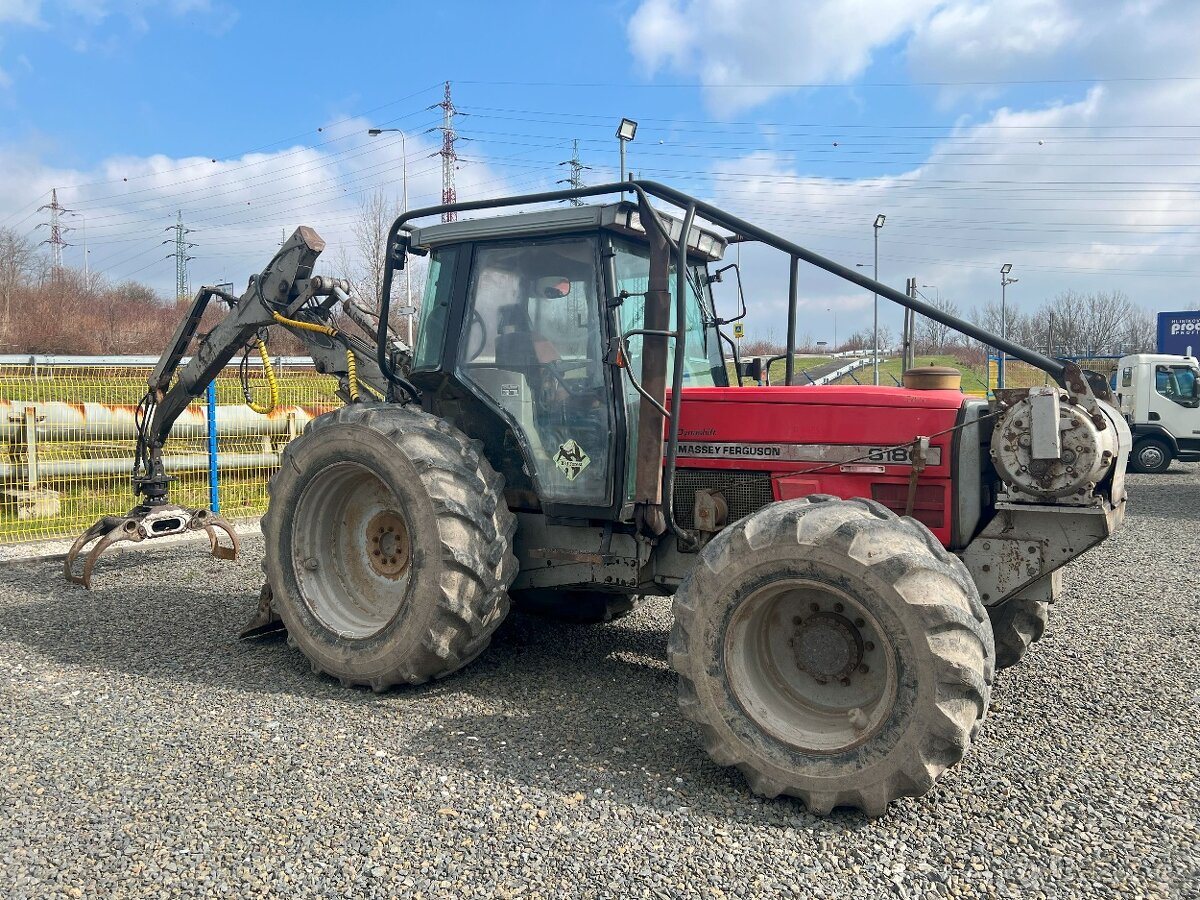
column 1159, row 395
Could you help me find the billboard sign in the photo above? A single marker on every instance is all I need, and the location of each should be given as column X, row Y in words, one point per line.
column 1178, row 331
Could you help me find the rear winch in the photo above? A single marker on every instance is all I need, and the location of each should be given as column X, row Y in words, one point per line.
column 1047, row 445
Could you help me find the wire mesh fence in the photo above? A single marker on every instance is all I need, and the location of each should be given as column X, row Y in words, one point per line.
column 68, row 435
column 1019, row 374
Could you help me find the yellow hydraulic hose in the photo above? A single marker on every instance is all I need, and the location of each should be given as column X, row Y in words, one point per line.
column 272, row 383
column 352, row 375
column 351, row 362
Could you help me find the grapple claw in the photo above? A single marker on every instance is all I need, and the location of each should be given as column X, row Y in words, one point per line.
column 142, row 523
column 212, row 523
column 106, row 531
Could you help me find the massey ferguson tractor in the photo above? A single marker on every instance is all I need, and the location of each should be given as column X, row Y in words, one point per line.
column 849, row 565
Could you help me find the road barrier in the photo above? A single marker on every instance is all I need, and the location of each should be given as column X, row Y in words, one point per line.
column 67, row 434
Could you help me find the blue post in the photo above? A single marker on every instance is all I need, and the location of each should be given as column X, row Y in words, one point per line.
column 214, row 478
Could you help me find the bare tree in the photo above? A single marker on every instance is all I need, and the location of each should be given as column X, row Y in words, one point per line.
column 1099, row 324
column 932, row 336
column 16, row 269
column 363, row 265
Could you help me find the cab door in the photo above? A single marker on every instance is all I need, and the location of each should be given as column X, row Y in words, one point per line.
column 532, row 346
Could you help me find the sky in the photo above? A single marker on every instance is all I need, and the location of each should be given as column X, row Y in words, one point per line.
column 1060, row 136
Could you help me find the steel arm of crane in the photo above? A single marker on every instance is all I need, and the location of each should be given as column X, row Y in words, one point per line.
column 283, row 287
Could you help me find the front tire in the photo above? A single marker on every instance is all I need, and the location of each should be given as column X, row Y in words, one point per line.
column 1150, row 456
column 388, row 546
column 832, row 652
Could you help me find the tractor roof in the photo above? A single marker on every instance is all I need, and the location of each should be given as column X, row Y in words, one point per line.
column 620, row 217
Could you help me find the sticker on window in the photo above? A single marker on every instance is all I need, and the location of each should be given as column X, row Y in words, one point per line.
column 510, row 390
column 571, row 459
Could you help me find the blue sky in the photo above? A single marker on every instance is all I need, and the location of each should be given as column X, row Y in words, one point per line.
column 1035, row 132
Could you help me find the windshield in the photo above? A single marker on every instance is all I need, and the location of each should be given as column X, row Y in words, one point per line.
column 703, row 365
column 1178, row 383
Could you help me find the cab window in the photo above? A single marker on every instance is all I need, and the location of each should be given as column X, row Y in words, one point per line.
column 532, row 344
column 432, row 328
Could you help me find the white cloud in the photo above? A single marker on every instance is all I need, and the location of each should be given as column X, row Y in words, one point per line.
column 1069, row 194
column 1091, row 186
column 747, row 51
column 20, row 12
column 981, row 40
column 237, row 207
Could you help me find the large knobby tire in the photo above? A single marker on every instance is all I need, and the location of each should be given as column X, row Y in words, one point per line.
column 1016, row 624
column 1150, row 456
column 388, row 546
column 578, row 607
column 832, row 652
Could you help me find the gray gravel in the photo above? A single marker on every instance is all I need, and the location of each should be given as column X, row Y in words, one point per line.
column 147, row 752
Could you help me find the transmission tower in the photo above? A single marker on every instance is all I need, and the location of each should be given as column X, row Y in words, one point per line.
column 448, row 154
column 576, row 178
column 182, row 246
column 57, row 229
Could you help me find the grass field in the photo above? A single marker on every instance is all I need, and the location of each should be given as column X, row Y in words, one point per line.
column 891, row 371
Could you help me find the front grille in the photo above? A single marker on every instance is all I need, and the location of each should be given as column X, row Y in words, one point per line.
column 744, row 492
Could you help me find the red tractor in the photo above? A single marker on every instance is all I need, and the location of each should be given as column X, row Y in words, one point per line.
column 849, row 565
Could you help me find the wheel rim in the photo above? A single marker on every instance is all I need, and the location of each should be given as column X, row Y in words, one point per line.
column 811, row 666
column 352, row 550
column 1151, row 456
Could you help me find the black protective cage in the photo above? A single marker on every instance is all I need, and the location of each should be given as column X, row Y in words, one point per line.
column 693, row 209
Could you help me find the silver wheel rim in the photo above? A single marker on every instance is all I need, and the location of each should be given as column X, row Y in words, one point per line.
column 810, row 665
column 352, row 550
column 1151, row 457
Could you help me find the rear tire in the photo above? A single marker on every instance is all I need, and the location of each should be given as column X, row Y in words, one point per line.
column 1150, row 456
column 388, row 546
column 1017, row 624
column 833, row 652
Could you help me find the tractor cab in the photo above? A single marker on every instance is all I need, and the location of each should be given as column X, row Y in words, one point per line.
column 529, row 320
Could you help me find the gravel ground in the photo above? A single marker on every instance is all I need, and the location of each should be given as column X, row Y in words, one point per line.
column 146, row 752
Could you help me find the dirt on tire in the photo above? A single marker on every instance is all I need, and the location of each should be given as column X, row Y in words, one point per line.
column 388, row 546
column 923, row 603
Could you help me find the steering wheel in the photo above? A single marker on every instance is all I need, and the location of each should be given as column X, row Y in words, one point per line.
column 475, row 324
column 558, row 370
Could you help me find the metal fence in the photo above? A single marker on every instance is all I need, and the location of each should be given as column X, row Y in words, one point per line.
column 67, row 432
column 1019, row 374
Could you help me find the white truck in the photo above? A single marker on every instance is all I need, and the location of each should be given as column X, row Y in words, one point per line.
column 1159, row 396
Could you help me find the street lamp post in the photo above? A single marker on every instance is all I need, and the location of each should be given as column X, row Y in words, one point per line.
column 1005, row 281
column 835, row 341
column 375, row 132
column 879, row 220
column 625, row 133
